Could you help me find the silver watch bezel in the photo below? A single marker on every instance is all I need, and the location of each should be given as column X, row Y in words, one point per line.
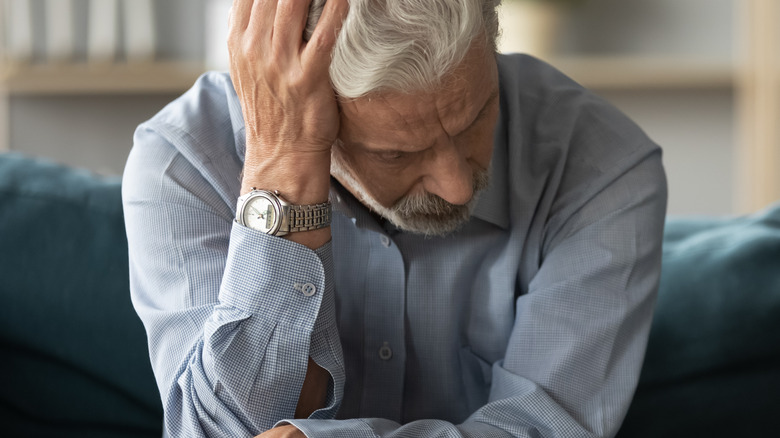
column 279, row 207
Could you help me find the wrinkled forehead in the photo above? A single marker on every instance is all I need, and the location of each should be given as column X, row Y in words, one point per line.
column 413, row 117
column 388, row 112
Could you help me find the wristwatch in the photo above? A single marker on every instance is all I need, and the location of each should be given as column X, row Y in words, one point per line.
column 268, row 212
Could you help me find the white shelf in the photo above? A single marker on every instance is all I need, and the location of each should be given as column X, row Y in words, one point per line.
column 81, row 79
column 597, row 72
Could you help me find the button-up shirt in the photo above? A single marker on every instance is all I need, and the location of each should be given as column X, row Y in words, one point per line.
column 531, row 320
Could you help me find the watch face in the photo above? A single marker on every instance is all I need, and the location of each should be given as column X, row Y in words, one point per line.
column 260, row 214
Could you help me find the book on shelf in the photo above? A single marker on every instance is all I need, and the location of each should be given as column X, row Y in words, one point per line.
column 59, row 30
column 19, row 36
column 102, row 31
column 139, row 30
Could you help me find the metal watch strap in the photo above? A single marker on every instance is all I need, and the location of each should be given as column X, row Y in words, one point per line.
column 309, row 217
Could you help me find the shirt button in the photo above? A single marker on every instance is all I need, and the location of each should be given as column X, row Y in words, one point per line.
column 385, row 353
column 306, row 289
column 385, row 240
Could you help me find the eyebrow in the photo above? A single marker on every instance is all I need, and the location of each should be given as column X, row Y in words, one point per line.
column 483, row 111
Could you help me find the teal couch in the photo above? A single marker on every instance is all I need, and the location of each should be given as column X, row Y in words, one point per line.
column 73, row 353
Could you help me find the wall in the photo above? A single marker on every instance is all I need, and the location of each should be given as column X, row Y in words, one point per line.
column 96, row 131
column 696, row 128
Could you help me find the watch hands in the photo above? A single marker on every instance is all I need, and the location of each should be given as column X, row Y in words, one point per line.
column 259, row 215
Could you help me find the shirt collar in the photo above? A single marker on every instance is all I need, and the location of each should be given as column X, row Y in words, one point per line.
column 348, row 205
column 493, row 203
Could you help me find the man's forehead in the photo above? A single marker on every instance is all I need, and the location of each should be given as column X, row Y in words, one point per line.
column 409, row 110
column 396, row 120
column 411, row 116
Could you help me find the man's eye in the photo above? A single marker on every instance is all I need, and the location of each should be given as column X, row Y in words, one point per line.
column 392, row 156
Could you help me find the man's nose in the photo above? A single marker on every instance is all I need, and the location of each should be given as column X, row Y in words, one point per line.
column 449, row 175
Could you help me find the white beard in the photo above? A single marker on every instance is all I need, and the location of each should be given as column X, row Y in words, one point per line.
column 425, row 213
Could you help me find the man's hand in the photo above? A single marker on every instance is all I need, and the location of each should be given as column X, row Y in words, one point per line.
column 283, row 82
column 289, row 106
column 282, row 432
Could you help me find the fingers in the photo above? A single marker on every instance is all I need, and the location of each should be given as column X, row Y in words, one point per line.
column 240, row 12
column 275, row 27
column 319, row 47
column 261, row 25
column 291, row 17
column 278, row 25
column 270, row 33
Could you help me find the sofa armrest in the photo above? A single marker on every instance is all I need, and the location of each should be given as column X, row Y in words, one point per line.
column 713, row 360
column 75, row 360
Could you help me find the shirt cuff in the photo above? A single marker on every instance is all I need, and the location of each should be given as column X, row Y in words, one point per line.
column 270, row 276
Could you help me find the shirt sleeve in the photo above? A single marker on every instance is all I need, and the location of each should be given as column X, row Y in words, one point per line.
column 231, row 314
column 575, row 352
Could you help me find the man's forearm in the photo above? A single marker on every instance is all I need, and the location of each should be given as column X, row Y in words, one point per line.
column 289, row 107
column 291, row 118
column 314, row 391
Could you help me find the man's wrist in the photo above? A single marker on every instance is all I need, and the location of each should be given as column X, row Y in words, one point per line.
column 302, row 178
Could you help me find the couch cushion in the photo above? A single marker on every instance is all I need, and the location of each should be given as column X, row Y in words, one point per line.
column 74, row 355
column 713, row 359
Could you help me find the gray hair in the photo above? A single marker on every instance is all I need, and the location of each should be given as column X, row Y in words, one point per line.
column 404, row 45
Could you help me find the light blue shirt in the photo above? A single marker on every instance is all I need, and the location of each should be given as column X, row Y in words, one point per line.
column 530, row 321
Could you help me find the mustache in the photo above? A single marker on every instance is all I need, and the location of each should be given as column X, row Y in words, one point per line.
column 430, row 205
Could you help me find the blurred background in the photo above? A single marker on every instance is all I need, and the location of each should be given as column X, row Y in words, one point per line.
column 700, row 76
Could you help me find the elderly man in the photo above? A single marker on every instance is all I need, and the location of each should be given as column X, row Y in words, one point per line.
column 376, row 226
